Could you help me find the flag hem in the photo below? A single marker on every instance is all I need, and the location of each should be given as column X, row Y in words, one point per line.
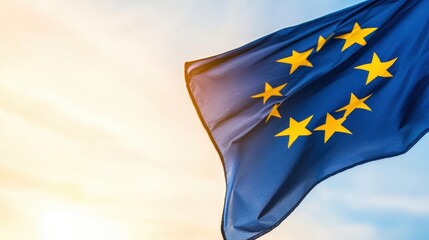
column 194, row 102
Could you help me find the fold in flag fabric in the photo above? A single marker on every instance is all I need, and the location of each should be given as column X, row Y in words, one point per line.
column 302, row 104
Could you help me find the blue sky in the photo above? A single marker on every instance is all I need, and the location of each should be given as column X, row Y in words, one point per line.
column 387, row 198
column 99, row 131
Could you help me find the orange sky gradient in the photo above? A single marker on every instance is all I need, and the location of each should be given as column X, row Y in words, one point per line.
column 99, row 137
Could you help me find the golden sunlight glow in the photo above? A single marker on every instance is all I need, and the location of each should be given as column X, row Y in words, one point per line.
column 99, row 139
column 74, row 222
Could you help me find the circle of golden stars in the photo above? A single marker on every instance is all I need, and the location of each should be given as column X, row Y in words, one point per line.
column 297, row 129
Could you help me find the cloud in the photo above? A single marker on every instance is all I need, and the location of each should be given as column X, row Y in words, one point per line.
column 378, row 201
column 95, row 110
column 308, row 226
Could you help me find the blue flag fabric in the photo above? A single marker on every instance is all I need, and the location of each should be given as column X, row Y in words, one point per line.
column 297, row 106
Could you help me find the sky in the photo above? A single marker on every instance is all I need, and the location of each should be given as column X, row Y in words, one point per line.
column 99, row 139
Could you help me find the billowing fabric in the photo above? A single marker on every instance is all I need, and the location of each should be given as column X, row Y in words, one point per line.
column 302, row 104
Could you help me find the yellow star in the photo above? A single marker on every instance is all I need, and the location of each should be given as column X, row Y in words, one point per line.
column 295, row 130
column 332, row 126
column 274, row 112
column 270, row 92
column 322, row 41
column 354, row 104
column 377, row 68
column 357, row 35
column 297, row 60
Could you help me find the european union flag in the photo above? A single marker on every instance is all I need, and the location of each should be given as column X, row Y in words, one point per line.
column 302, row 104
